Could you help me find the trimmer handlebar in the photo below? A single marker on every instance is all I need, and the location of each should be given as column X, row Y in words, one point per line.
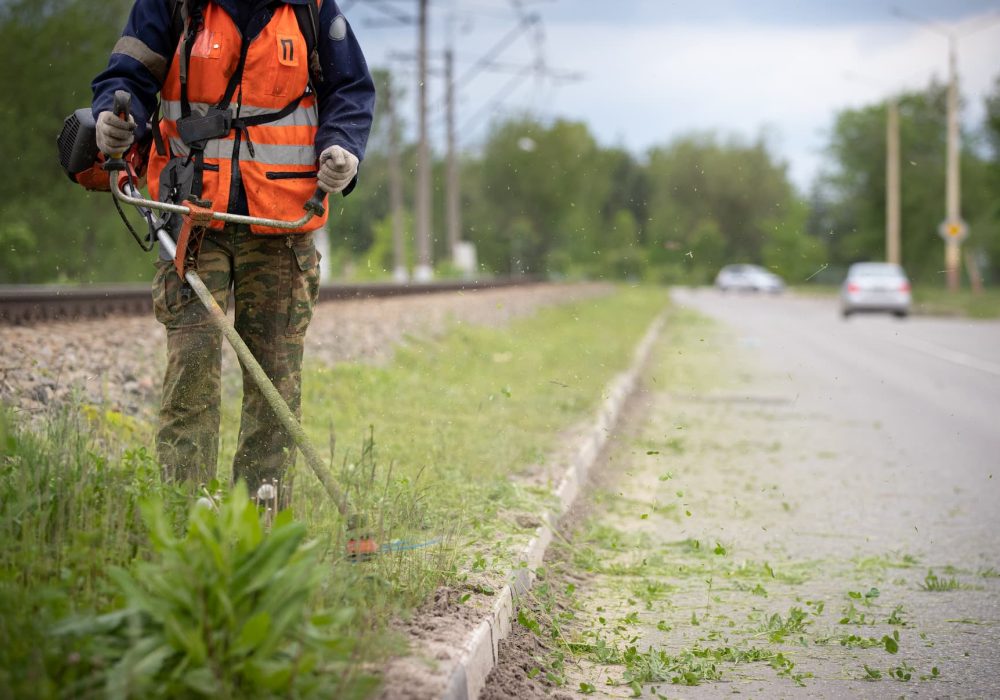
column 115, row 164
column 314, row 207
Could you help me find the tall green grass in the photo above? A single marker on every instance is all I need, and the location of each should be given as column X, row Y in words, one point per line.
column 427, row 447
column 69, row 499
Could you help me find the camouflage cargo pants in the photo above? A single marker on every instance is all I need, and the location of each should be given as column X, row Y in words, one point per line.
column 275, row 281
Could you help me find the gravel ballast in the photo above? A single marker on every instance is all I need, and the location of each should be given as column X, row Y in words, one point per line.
column 118, row 362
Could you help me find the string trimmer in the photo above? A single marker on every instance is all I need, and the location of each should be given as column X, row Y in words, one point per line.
column 120, row 173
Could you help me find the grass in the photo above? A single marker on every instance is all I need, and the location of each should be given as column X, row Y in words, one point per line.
column 432, row 441
column 940, row 302
column 932, row 301
column 934, row 583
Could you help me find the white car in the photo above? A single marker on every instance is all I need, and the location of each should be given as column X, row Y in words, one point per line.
column 748, row 278
column 876, row 287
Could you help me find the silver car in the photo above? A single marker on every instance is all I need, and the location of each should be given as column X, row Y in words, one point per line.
column 877, row 287
column 748, row 278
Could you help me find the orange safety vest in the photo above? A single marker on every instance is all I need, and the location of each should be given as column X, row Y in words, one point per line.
column 271, row 146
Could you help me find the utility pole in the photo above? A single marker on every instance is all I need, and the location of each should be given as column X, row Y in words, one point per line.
column 953, row 230
column 893, row 245
column 893, row 216
column 453, row 190
column 399, row 272
column 423, row 272
column 953, row 224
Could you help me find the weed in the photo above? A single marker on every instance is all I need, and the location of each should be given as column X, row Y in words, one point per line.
column 865, row 598
column 853, row 641
column 896, row 617
column 851, row 615
column 776, row 628
column 222, row 611
column 69, row 512
column 933, row 583
column 649, row 591
column 903, row 672
column 527, row 620
column 756, row 589
column 890, row 561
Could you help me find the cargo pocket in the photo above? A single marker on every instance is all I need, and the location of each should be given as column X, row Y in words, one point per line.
column 174, row 302
column 305, row 282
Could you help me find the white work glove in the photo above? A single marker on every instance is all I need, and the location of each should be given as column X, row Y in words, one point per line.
column 337, row 167
column 114, row 135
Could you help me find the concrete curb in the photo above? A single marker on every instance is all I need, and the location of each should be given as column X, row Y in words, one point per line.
column 479, row 652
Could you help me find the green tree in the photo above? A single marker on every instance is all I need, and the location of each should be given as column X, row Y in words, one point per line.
column 989, row 225
column 713, row 202
column 52, row 230
column 850, row 197
column 542, row 188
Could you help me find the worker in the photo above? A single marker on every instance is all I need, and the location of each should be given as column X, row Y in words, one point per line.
column 259, row 101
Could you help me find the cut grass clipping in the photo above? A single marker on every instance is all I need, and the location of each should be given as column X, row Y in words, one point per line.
column 431, row 443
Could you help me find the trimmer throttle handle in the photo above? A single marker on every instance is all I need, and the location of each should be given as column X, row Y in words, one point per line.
column 122, row 108
column 315, row 204
column 123, row 104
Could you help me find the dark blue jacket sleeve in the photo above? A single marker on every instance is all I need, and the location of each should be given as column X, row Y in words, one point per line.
column 347, row 93
column 138, row 61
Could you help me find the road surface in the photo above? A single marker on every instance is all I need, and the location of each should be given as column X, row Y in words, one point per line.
column 820, row 495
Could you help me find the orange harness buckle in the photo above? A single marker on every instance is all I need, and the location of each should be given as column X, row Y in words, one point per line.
column 192, row 232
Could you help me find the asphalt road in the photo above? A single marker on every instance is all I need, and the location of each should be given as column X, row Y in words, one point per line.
column 792, row 483
column 893, row 428
column 930, row 385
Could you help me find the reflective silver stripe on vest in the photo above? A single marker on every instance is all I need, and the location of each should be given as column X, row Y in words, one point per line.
column 302, row 116
column 135, row 48
column 222, row 149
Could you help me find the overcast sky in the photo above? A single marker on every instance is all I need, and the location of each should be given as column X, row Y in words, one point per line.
column 654, row 69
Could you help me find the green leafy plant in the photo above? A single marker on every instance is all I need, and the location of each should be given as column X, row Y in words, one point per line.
column 903, row 672
column 220, row 612
column 777, row 628
column 853, row 641
column 851, row 615
column 933, row 675
column 896, row 617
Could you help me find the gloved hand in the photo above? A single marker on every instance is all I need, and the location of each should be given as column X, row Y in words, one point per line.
column 337, row 167
column 114, row 135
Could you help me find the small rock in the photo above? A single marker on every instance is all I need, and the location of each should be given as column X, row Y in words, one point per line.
column 526, row 521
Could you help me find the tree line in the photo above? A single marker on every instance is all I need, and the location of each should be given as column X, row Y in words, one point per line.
column 538, row 196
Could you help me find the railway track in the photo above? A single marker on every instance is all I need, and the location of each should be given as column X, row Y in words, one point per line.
column 28, row 304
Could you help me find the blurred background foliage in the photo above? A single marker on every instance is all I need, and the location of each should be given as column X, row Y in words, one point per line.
column 539, row 196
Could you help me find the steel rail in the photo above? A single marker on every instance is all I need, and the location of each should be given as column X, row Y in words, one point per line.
column 28, row 304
